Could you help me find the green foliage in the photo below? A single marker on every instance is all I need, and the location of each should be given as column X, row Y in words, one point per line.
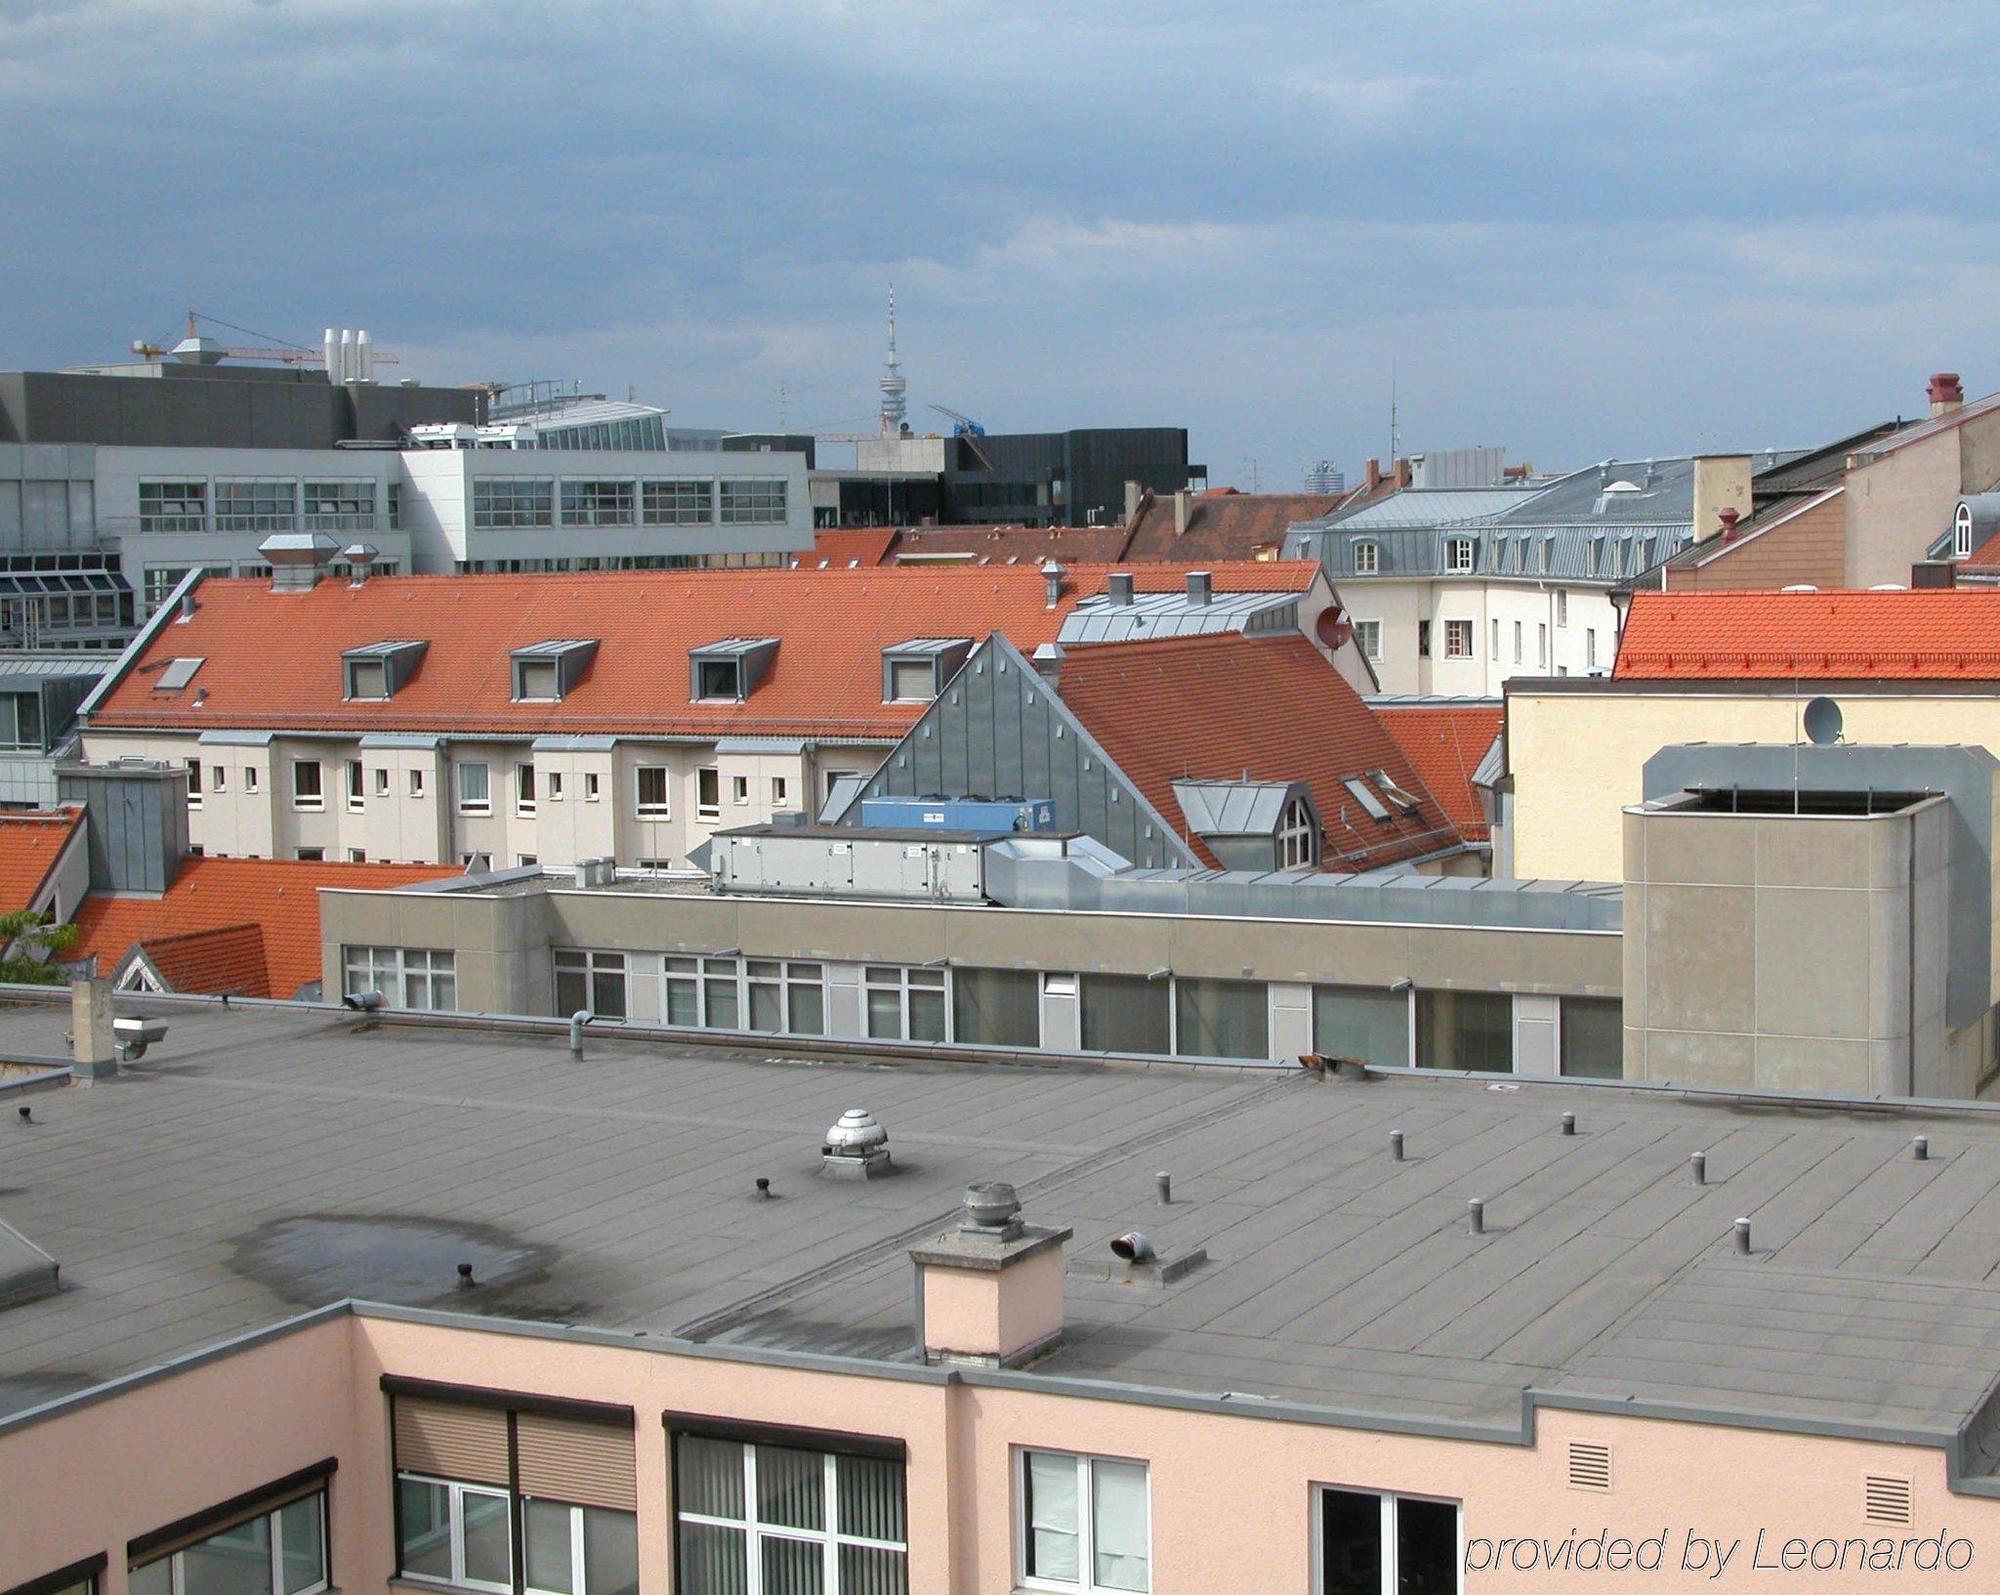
column 30, row 948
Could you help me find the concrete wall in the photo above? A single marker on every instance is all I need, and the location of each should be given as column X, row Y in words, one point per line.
column 1899, row 504
column 1400, row 603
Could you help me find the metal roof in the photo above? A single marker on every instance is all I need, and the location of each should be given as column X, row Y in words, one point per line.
column 1234, row 808
column 1428, row 506
column 1173, row 614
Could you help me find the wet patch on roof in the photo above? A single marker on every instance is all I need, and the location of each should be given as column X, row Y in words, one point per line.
column 313, row 1258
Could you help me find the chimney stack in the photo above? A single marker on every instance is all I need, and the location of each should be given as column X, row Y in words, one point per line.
column 990, row 1293
column 1118, row 587
column 1048, row 665
column 1721, row 481
column 93, row 1043
column 1052, row 579
column 1944, row 392
column 1180, row 513
column 1131, row 502
column 1199, row 587
column 1728, row 516
column 1403, row 473
column 1374, row 475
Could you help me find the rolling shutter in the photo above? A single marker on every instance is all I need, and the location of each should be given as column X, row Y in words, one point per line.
column 582, row 1463
column 449, row 1441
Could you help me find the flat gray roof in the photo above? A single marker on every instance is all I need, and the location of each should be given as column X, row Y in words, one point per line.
column 263, row 1160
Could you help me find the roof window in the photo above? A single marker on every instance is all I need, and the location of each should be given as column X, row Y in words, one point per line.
column 1403, row 798
column 176, row 674
column 377, row 671
column 546, row 672
column 729, row 671
column 1371, row 805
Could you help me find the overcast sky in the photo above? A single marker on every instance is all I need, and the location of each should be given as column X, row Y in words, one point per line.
column 1572, row 227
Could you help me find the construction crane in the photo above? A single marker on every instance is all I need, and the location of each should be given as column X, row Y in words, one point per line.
column 353, row 355
column 963, row 426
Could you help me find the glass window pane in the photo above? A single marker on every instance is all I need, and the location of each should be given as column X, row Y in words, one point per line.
column 927, row 1016
column 1593, row 1038
column 1362, row 1022
column 885, row 1014
column 1054, row 1526
column 997, row 1007
column 610, row 1552
column 712, row 1561
column 571, row 994
column 426, row 1514
column 1124, row 1013
column 791, row 1487
column 1118, row 1525
column 868, row 1570
column 870, row 1491
column 1426, row 1546
column 607, row 991
column 808, row 1017
column 1350, row 1543
column 302, row 1544
column 545, row 1534
column 793, row 1567
column 683, row 1004
column 765, row 1006
column 709, row 1476
column 1465, row 1030
column 235, row 1562
column 1222, row 1018
column 489, row 1557
column 720, row 998
column 155, row 1578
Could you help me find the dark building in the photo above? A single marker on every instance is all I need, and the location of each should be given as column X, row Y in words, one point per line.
column 1060, row 478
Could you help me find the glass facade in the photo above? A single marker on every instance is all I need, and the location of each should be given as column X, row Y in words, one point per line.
column 510, row 501
column 1593, row 1038
column 676, row 502
column 754, row 501
column 1362, row 1022
column 997, row 1007
column 1126, row 1013
column 1465, row 1030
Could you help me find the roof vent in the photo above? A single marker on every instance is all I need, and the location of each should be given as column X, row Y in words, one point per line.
column 359, row 557
column 1589, row 1465
column 1052, row 577
column 1799, row 587
column 1728, row 515
column 1118, row 588
column 991, row 1208
column 296, row 559
column 1200, row 587
column 1887, row 1500
column 856, row 1148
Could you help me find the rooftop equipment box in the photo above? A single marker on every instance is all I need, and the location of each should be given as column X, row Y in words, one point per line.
column 959, row 813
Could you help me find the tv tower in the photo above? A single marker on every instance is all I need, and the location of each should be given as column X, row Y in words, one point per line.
column 895, row 409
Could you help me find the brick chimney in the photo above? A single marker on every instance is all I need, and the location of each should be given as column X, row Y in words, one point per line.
column 1374, row 475
column 1404, row 474
column 1944, row 392
column 990, row 1293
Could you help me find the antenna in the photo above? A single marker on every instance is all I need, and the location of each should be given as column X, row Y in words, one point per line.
column 1395, row 433
column 895, row 407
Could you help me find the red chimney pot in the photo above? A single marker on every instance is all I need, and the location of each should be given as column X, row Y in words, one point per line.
column 1944, row 388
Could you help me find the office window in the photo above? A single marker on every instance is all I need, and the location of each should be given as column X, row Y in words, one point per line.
column 499, row 502
column 1126, row 1013
column 1221, row 1019
column 1084, row 1523
column 707, row 793
column 780, row 791
column 996, row 1007
column 475, row 794
column 1458, row 639
column 1562, row 607
column 677, row 503
column 1368, row 638
column 256, row 504
column 752, row 502
column 785, row 997
column 904, row 1004
column 1367, row 558
column 1363, row 1023
column 1458, row 554
column 652, row 791
column 277, row 1552
column 524, row 789
column 407, row 977
column 1298, row 836
column 340, row 506
column 306, row 791
column 781, row 1519
column 702, row 992
column 1593, row 1038
column 1386, row 1544
column 1465, row 1030
column 739, row 789
column 597, row 503
column 357, row 792
column 590, row 982
column 160, row 581
column 173, row 507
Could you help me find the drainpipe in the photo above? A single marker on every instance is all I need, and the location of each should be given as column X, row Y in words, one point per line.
column 577, row 1021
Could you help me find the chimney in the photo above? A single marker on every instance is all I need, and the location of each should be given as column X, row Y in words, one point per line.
column 1374, row 475
column 1728, row 516
column 1118, row 587
column 1933, row 573
column 1048, row 665
column 1199, row 587
column 1180, row 514
column 1403, row 473
column 1721, row 481
column 1131, row 502
column 93, row 1045
column 297, row 559
column 1944, row 392
column 1052, row 579
column 990, row 1292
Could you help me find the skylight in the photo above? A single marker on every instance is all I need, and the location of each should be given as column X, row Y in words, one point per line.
column 177, row 674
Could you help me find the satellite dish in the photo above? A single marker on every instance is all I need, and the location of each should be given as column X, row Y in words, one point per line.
column 1334, row 628
column 1823, row 722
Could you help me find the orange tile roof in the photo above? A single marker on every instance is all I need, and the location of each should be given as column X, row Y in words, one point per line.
column 228, row 959
column 1926, row 635
column 863, row 546
column 1445, row 742
column 30, row 844
column 226, row 894
column 271, row 661
column 1216, row 707
column 995, row 545
column 1223, row 527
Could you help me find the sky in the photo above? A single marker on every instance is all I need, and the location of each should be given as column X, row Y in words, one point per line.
column 1575, row 228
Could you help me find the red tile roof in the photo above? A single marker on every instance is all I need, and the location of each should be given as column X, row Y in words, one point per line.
column 996, row 545
column 1215, row 707
column 272, row 660
column 216, row 899
column 1927, row 635
column 31, row 843
column 1445, row 742
column 864, row 546
column 228, row 959
column 1224, row 526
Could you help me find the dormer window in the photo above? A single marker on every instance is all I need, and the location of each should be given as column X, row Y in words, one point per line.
column 377, row 671
column 728, row 671
column 1367, row 558
column 1458, row 553
column 1961, row 533
column 1298, row 836
column 916, row 671
column 545, row 672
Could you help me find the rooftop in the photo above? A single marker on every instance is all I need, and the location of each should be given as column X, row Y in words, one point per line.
column 1223, row 526
column 1926, row 635
column 263, row 1160
column 1445, row 739
column 31, row 843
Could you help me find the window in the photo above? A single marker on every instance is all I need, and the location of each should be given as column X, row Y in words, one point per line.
column 499, row 502
column 753, row 502
column 677, row 503
column 407, row 977
column 474, row 793
column 160, row 581
column 1517, row 642
column 1368, row 637
column 194, row 783
column 707, row 793
column 367, row 679
column 739, row 789
column 597, row 503
column 1542, row 642
column 1593, row 1038
column 789, row 997
column 590, row 787
column 309, row 855
column 1221, row 1019
column 904, row 1004
column 1084, row 1523
column 357, row 795
column 702, row 992
column 590, row 982
column 340, row 506
column 1961, row 531
column 1363, row 1023
column 1465, row 1030
column 1298, row 836
column 306, row 792
column 779, row 1518
column 218, row 775
column 652, row 791
column 416, row 782
column 1367, row 558
column 996, row 1007
column 382, row 782
column 553, row 781
column 718, row 680
column 1562, row 607
column 173, row 507
column 1496, row 640
column 829, row 779
column 1590, row 646
column 251, row 778
column 476, row 863
column 1458, row 554
column 280, row 1551
column 537, row 681
column 21, row 720
column 1423, row 639
column 524, row 789
column 1542, row 553
column 912, row 680
column 1126, row 1013
column 780, row 790
column 1458, row 639
column 257, row 504
column 357, row 855
column 1386, row 1544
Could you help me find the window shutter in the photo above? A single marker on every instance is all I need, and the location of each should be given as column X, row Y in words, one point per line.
column 448, row 1441
column 1888, row 1499
column 582, row 1463
column 1589, row 1466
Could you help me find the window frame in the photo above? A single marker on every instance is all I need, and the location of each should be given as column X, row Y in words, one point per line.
column 753, row 500
column 592, row 965
column 313, row 802
column 456, row 1490
column 1458, row 639
column 660, row 809
column 1368, row 638
column 1086, row 1520
column 355, row 786
column 874, row 979
column 709, row 808
column 1367, row 557
column 475, row 807
column 1298, row 836
column 1390, row 1500
column 1461, row 556
column 526, row 799
column 274, row 1515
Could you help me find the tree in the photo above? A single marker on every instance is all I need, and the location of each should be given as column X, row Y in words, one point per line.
column 30, row 948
